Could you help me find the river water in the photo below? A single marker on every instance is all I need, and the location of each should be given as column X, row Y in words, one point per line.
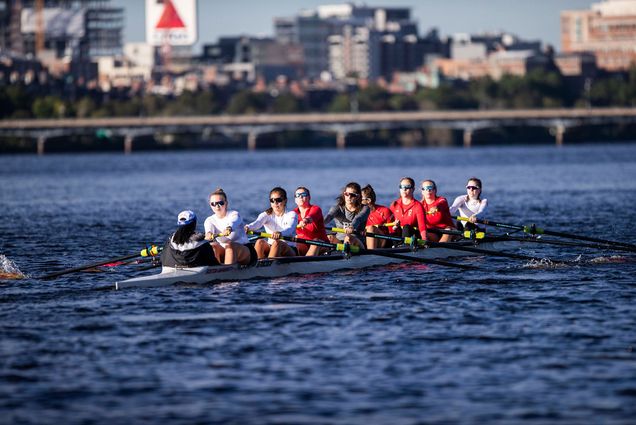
column 408, row 344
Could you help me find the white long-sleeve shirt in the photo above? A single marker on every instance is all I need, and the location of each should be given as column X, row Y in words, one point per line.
column 216, row 224
column 468, row 208
column 285, row 224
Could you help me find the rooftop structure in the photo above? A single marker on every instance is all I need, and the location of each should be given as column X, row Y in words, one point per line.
column 608, row 30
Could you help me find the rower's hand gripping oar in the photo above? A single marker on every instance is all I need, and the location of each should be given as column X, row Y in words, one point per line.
column 534, row 230
column 149, row 251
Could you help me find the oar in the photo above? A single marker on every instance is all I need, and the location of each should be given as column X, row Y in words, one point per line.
column 533, row 230
column 451, row 245
column 358, row 250
column 150, row 251
column 466, row 234
column 416, row 259
column 567, row 243
column 323, row 244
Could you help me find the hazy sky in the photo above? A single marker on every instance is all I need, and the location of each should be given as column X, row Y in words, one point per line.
column 530, row 19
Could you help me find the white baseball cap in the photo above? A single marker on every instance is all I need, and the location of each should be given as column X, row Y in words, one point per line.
column 186, row 217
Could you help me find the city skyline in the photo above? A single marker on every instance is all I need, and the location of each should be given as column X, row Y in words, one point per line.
column 539, row 20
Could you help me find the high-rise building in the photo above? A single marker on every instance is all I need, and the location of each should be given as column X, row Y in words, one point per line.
column 61, row 32
column 608, row 30
column 4, row 23
column 346, row 39
column 355, row 53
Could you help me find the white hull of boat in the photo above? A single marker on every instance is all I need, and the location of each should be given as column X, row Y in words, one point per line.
column 265, row 269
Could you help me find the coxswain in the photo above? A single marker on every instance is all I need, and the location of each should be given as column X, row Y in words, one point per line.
column 186, row 248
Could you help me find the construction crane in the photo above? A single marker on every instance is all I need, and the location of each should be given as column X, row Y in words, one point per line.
column 39, row 26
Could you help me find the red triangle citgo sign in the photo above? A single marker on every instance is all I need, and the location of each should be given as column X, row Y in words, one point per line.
column 170, row 18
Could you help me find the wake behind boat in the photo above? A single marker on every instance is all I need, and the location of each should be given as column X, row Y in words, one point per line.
column 287, row 266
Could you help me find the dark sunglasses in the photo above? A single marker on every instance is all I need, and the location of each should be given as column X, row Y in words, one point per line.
column 473, row 188
column 302, row 195
column 406, row 186
column 276, row 200
column 428, row 187
column 217, row 204
column 351, row 194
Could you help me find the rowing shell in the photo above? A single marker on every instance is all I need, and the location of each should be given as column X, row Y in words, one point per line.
column 286, row 266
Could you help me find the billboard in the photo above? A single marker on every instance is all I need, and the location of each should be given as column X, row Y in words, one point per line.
column 171, row 22
column 56, row 22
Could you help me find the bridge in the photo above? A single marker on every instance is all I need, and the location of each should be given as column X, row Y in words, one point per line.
column 341, row 124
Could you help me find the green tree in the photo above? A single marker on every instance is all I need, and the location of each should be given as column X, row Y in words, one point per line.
column 403, row 102
column 6, row 108
column 484, row 90
column 631, row 86
column 373, row 98
column 247, row 102
column 446, row 96
column 85, row 107
column 152, row 105
column 340, row 103
column 206, row 103
column 286, row 103
column 19, row 101
column 611, row 91
column 48, row 107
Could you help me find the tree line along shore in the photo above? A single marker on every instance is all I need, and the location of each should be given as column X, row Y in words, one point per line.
column 537, row 89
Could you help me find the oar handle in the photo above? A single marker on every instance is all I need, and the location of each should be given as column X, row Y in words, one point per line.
column 534, row 230
column 150, row 251
column 214, row 236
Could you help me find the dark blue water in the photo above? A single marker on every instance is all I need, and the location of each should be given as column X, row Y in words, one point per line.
column 408, row 344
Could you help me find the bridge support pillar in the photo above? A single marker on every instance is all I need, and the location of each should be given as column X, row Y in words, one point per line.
column 341, row 140
column 251, row 140
column 41, row 143
column 468, row 137
column 128, row 144
column 559, row 131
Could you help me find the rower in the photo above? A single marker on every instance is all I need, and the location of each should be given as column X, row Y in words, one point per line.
column 408, row 212
column 379, row 217
column 278, row 222
column 470, row 205
column 225, row 231
column 311, row 224
column 186, row 248
column 349, row 213
column 437, row 213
